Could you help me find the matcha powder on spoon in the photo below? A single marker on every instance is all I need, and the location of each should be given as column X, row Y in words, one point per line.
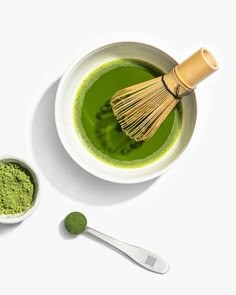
column 16, row 189
column 75, row 223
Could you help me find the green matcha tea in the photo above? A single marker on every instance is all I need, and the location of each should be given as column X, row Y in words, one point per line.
column 97, row 126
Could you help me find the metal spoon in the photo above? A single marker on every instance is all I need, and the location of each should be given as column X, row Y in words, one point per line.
column 76, row 223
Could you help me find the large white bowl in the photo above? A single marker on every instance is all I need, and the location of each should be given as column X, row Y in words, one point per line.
column 65, row 97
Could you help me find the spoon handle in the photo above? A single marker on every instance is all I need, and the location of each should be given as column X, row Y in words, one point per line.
column 143, row 257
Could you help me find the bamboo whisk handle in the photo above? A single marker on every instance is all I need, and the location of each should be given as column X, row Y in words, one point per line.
column 196, row 68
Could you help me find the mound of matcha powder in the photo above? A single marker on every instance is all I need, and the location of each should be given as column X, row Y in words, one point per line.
column 16, row 189
column 75, row 223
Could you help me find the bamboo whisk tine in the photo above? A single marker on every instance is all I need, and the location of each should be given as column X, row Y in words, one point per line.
column 141, row 109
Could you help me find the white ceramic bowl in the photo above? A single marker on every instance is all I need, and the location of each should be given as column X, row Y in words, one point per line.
column 10, row 219
column 70, row 83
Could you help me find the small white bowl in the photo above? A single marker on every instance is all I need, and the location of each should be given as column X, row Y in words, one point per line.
column 68, row 87
column 16, row 218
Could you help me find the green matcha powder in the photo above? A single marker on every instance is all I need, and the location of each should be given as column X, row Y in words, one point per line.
column 16, row 189
column 75, row 223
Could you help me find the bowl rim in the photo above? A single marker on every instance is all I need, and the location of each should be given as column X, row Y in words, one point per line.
column 90, row 50
column 8, row 219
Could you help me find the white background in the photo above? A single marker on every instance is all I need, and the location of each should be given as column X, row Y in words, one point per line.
column 187, row 215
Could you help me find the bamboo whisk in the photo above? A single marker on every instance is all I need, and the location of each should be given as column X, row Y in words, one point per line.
column 142, row 108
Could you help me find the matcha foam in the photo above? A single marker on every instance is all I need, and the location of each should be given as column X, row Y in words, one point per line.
column 97, row 127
